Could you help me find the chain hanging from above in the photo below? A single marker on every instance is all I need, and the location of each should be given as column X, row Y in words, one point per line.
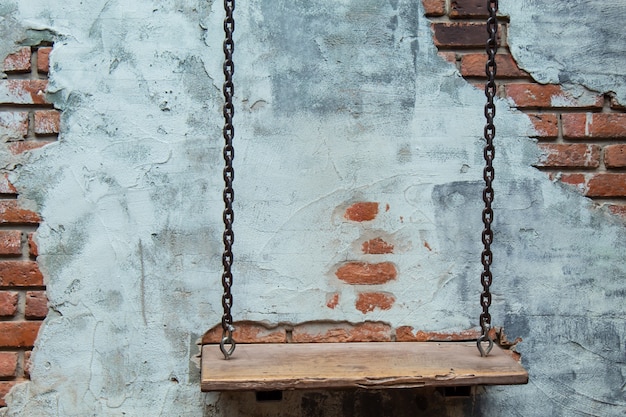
column 227, row 344
column 486, row 277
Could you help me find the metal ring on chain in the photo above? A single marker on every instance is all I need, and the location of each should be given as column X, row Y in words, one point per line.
column 228, row 344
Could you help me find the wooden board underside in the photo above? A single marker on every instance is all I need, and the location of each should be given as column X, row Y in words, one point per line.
column 375, row 365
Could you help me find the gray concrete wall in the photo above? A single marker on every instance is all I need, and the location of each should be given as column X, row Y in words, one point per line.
column 336, row 102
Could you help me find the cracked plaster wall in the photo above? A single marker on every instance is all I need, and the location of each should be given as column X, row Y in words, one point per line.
column 336, row 102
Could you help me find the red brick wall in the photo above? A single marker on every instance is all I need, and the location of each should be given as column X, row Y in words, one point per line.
column 583, row 139
column 27, row 121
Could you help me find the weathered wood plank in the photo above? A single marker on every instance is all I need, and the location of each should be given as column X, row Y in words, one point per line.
column 373, row 365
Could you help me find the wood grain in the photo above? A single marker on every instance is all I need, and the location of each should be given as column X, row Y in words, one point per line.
column 375, row 365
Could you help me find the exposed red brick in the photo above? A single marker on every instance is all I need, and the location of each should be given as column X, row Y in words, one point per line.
column 8, row 303
column 461, row 35
column 607, row 185
column 5, row 387
column 473, row 65
column 36, row 305
column 10, row 242
column 615, row 156
column 12, row 213
column 574, row 179
column 13, row 125
column 594, row 125
column 20, row 274
column 47, row 122
column 27, row 363
column 18, row 61
column 17, row 148
column 5, row 185
column 569, row 155
column 546, row 125
column 618, row 209
column 341, row 332
column 616, row 105
column 362, row 211
column 434, row 8
column 23, row 91
column 247, row 332
column 43, row 59
column 468, row 9
column 407, row 334
column 363, row 273
column 332, row 300
column 8, row 364
column 530, row 95
column 370, row 301
column 33, row 249
column 17, row 334
column 376, row 246
column 448, row 56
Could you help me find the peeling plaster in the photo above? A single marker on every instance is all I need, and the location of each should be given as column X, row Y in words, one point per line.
column 132, row 262
column 576, row 43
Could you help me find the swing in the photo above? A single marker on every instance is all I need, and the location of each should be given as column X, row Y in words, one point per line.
column 375, row 365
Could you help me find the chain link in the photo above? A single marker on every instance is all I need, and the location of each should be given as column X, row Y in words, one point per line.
column 486, row 258
column 227, row 345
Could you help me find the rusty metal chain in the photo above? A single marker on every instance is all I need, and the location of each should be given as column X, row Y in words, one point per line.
column 227, row 344
column 486, row 277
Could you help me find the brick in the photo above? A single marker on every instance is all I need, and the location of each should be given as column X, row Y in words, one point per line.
column 10, row 242
column 618, row 210
column 370, row 301
column 18, row 62
column 20, row 274
column 33, row 249
column 20, row 147
column 461, row 35
column 8, row 303
column 341, row 332
column 47, row 122
column 407, row 334
column 468, row 9
column 473, row 65
column 36, row 305
column 5, row 387
column 530, row 95
column 332, row 300
column 615, row 156
column 594, row 125
column 569, row 155
column 43, row 59
column 363, row 273
column 8, row 364
column 434, row 8
column 27, row 363
column 376, row 246
column 607, row 185
column 12, row 213
column 546, row 125
column 362, row 211
column 248, row 332
column 448, row 56
column 23, row 91
column 616, row 105
column 577, row 180
column 18, row 334
column 5, row 185
column 13, row 125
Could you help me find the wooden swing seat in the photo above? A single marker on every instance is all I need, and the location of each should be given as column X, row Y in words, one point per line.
column 371, row 365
